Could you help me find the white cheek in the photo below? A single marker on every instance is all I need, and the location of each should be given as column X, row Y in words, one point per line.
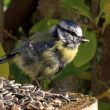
column 79, row 31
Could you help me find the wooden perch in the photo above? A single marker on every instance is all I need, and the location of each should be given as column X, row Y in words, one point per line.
column 84, row 102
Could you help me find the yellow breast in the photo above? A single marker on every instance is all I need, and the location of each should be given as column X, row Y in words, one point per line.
column 68, row 54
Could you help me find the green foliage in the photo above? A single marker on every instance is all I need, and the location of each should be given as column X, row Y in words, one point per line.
column 87, row 50
column 4, row 68
column 77, row 5
column 104, row 11
column 43, row 25
column 103, row 106
column 6, row 2
column 103, row 3
column 45, row 84
column 76, row 71
column 18, row 74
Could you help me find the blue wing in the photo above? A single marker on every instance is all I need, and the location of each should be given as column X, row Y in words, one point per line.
column 42, row 46
column 38, row 48
column 38, row 43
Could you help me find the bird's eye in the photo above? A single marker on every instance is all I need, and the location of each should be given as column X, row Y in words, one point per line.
column 72, row 33
column 68, row 31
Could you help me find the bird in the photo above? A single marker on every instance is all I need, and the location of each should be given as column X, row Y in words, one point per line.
column 46, row 53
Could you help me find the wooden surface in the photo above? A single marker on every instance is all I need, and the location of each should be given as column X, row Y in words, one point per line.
column 84, row 102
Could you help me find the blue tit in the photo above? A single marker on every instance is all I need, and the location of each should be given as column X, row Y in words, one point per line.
column 46, row 53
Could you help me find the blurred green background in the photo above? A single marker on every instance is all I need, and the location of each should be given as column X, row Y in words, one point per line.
column 89, row 73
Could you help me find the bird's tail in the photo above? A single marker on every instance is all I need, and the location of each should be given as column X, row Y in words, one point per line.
column 11, row 55
column 7, row 57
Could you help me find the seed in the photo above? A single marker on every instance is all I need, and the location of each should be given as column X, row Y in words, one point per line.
column 2, row 106
column 21, row 102
column 49, row 107
column 15, row 100
column 57, row 102
column 8, row 97
column 12, row 81
column 16, row 96
column 33, row 106
column 5, row 92
column 1, row 84
column 33, row 89
column 16, row 107
column 26, row 86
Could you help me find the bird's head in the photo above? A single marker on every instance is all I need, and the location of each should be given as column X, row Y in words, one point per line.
column 70, row 33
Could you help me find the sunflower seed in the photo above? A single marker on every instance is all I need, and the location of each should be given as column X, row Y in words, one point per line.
column 16, row 96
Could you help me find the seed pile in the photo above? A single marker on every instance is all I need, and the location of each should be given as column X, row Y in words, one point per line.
column 15, row 96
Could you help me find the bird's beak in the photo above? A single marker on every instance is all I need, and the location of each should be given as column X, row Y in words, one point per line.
column 83, row 40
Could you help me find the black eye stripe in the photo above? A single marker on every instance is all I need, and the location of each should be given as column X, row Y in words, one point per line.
column 70, row 32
